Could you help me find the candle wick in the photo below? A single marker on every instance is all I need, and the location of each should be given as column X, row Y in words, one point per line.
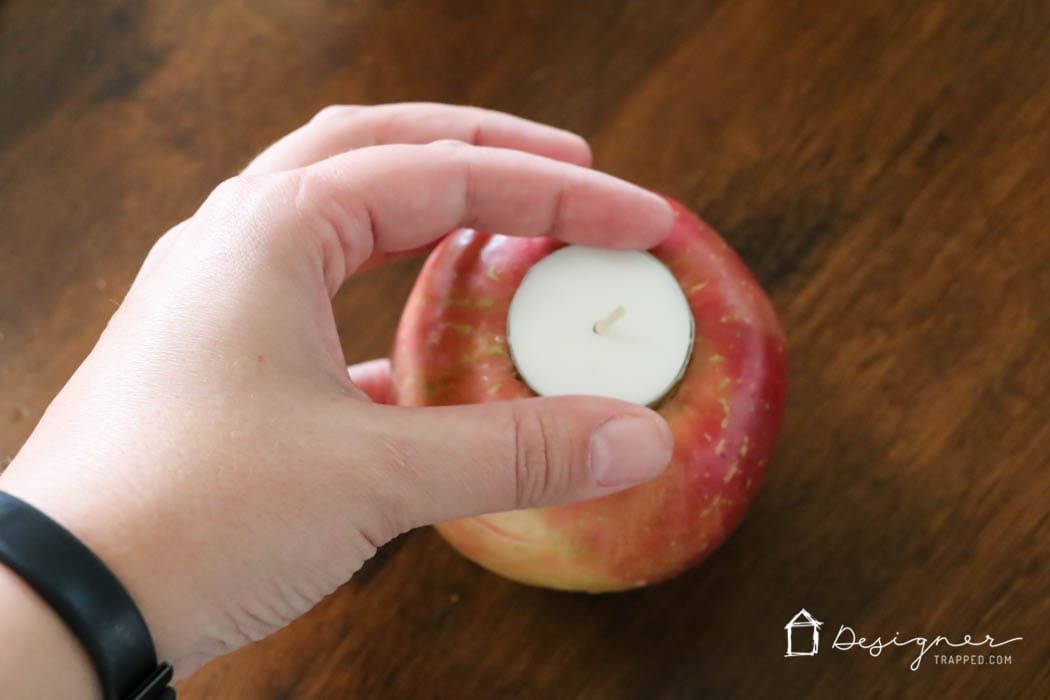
column 606, row 323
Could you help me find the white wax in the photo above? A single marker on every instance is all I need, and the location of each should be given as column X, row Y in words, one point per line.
column 551, row 325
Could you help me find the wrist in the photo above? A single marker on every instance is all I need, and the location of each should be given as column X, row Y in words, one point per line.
column 42, row 658
column 112, row 534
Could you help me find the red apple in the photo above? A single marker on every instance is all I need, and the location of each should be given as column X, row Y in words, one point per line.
column 451, row 348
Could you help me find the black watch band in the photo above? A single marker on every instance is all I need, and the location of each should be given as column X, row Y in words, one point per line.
column 88, row 598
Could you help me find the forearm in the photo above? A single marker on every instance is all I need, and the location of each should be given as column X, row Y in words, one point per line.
column 39, row 656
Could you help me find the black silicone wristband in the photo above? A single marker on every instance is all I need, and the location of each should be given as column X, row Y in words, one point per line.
column 88, row 598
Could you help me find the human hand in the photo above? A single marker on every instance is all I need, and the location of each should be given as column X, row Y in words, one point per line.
column 213, row 450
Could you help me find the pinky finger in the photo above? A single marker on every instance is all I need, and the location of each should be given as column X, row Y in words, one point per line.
column 373, row 378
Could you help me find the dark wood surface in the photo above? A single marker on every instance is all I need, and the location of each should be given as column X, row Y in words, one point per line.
column 883, row 166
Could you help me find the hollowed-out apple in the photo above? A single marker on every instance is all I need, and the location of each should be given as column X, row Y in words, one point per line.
column 451, row 348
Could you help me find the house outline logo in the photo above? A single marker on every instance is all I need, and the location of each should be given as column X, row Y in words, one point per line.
column 803, row 620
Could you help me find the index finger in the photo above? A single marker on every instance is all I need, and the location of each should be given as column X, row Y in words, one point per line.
column 390, row 199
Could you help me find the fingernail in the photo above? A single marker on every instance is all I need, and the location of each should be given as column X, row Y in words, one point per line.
column 629, row 450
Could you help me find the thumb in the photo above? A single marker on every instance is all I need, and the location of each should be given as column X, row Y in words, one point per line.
column 455, row 461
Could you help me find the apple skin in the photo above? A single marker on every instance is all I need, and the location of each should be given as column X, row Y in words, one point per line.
column 451, row 348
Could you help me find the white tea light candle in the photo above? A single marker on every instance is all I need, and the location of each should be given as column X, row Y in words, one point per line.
column 602, row 322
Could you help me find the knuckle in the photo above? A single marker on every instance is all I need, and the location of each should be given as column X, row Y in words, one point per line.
column 537, row 466
column 245, row 194
column 243, row 207
column 229, row 201
column 232, row 191
column 343, row 231
column 164, row 242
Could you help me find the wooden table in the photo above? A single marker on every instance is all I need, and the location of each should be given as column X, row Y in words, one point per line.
column 884, row 167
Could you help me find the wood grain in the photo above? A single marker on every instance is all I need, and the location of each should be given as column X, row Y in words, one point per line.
column 883, row 166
